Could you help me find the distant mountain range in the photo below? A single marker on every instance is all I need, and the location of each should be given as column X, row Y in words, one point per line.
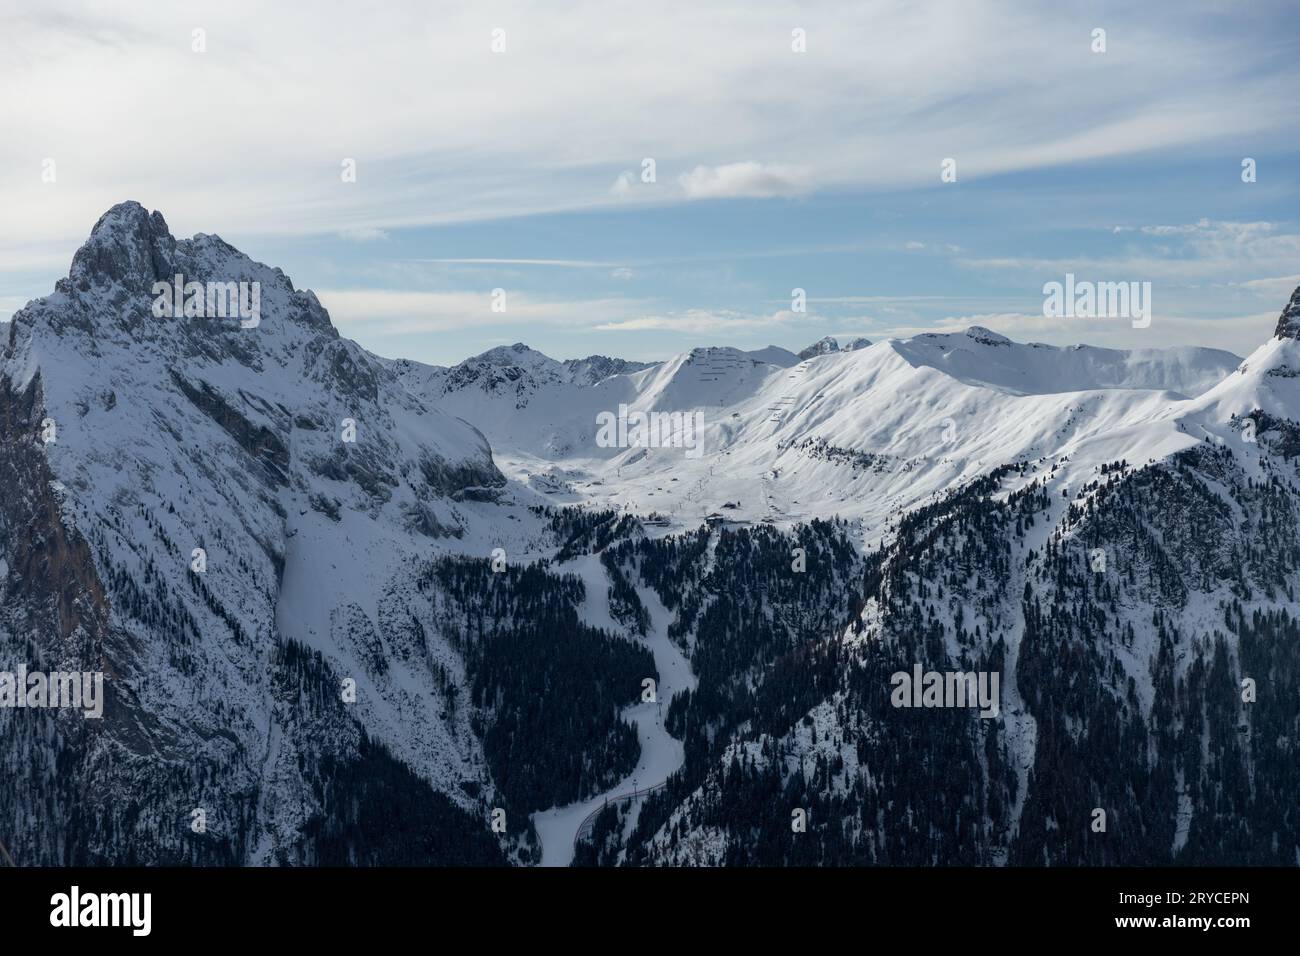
column 360, row 610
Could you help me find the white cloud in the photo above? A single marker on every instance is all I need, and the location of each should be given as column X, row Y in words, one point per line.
column 363, row 234
column 374, row 313
column 443, row 130
column 1276, row 287
column 558, row 263
column 1225, row 333
column 622, row 185
column 705, row 321
column 916, row 246
column 1204, row 251
column 737, row 180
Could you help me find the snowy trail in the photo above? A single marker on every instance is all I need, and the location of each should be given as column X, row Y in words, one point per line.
column 661, row 754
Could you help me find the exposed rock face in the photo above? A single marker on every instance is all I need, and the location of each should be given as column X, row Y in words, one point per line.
column 986, row 336
column 1288, row 323
column 128, row 247
column 824, row 346
column 272, row 546
column 597, row 368
column 516, row 371
column 192, row 504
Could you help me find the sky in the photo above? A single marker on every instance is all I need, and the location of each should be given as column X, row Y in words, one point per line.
column 794, row 146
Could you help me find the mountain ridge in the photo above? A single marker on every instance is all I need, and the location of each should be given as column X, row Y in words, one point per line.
column 321, row 583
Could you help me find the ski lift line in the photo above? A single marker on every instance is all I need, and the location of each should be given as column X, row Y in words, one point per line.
column 584, row 828
column 8, row 859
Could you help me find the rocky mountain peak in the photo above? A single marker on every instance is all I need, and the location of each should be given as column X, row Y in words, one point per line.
column 115, row 275
column 1288, row 323
column 508, row 354
column 986, row 336
column 129, row 246
column 597, row 368
column 823, row 346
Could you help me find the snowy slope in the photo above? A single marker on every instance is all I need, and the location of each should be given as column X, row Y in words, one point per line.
column 132, row 439
column 979, row 356
column 823, row 346
column 861, row 433
column 1103, row 591
column 1267, row 379
column 515, row 370
column 195, row 433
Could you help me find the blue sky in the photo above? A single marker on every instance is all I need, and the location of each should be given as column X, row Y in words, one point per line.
column 774, row 169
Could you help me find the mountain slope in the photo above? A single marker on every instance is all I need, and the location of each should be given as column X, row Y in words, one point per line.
column 981, row 357
column 1142, row 617
column 857, row 433
column 337, row 626
column 176, row 434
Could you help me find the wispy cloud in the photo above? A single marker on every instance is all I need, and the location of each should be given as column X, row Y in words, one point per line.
column 363, row 234
column 1202, row 251
column 540, row 128
column 382, row 313
column 706, row 321
column 557, row 263
column 739, row 180
column 1275, row 287
column 1225, row 332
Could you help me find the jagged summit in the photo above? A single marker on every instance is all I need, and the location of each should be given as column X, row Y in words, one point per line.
column 509, row 355
column 1288, row 323
column 129, row 246
column 234, row 343
column 278, row 489
column 823, row 346
column 517, row 370
column 597, row 368
column 580, row 371
column 111, row 288
column 986, row 336
column 976, row 333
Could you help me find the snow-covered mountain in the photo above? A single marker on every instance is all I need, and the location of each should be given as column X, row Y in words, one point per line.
column 857, row 433
column 1135, row 593
column 823, row 346
column 515, row 370
column 361, row 610
column 982, row 357
column 829, row 344
column 214, row 514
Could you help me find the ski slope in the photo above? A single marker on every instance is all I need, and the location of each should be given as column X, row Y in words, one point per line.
column 661, row 753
